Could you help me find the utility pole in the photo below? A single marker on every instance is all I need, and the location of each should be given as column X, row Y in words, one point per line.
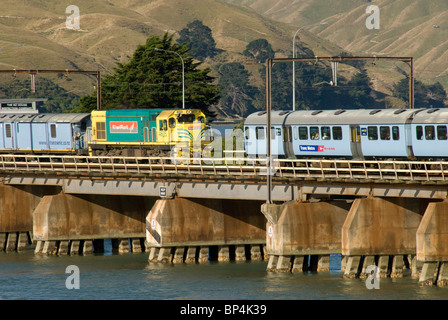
column 269, row 63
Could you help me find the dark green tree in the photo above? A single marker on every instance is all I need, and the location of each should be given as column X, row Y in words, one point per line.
column 431, row 96
column 153, row 79
column 259, row 50
column 237, row 94
column 199, row 39
column 356, row 92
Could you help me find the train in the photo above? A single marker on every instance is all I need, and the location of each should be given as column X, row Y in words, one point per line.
column 326, row 134
column 129, row 132
column 412, row 134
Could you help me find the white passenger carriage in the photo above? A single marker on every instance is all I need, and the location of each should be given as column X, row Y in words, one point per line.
column 429, row 134
column 349, row 134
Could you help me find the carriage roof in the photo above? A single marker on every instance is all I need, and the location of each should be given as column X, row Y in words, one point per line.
column 335, row 117
column 45, row 117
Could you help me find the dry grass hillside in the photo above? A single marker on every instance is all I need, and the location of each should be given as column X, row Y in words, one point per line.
column 33, row 33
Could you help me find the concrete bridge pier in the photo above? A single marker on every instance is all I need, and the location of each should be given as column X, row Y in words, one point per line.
column 182, row 230
column 381, row 232
column 301, row 236
column 69, row 224
column 432, row 249
column 17, row 204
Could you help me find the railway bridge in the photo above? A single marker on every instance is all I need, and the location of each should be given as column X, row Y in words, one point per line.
column 391, row 214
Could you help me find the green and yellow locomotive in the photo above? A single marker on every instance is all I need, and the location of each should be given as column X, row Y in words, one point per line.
column 145, row 132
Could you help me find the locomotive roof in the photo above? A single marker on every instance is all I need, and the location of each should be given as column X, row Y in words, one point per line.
column 45, row 117
column 333, row 117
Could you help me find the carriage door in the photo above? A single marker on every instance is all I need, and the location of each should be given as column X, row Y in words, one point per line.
column 287, row 142
column 355, row 142
column 9, row 135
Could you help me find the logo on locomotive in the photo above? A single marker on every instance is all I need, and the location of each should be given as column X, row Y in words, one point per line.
column 123, row 127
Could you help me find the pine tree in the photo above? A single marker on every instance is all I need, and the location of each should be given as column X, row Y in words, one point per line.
column 199, row 39
column 153, row 79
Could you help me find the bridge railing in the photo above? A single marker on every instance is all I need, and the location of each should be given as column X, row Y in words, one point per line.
column 284, row 168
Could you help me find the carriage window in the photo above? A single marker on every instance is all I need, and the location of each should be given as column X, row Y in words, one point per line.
column 372, row 133
column 201, row 119
column 441, row 133
column 247, row 133
column 260, row 133
column 429, row 133
column 273, row 131
column 314, row 133
column 395, row 133
column 303, row 133
column 53, row 130
column 337, row 133
column 419, row 131
column 8, row 130
column 326, row 135
column 385, row 133
column 296, row 134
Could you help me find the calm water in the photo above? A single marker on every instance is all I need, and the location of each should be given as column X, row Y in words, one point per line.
column 27, row 276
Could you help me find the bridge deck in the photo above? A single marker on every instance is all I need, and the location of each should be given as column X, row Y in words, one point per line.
column 406, row 171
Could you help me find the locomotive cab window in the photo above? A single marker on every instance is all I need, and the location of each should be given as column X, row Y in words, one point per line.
column 337, row 133
column 163, row 125
column 441, row 133
column 186, row 118
column 372, row 133
column 172, row 123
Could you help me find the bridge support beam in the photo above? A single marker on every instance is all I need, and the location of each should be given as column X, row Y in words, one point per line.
column 301, row 235
column 198, row 230
column 432, row 249
column 17, row 204
column 66, row 223
column 381, row 232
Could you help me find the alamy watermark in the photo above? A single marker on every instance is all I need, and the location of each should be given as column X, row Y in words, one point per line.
column 73, row 280
column 229, row 150
column 373, row 279
column 73, row 20
column 373, row 20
